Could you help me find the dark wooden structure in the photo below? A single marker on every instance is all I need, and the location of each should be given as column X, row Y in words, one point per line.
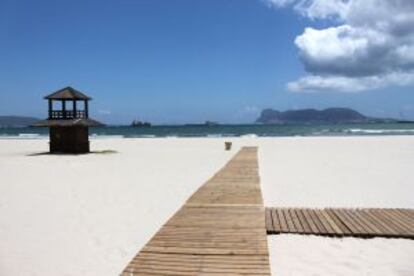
column 69, row 124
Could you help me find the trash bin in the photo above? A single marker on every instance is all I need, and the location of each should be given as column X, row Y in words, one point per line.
column 227, row 145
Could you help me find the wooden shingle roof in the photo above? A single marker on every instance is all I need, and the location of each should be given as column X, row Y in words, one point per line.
column 68, row 93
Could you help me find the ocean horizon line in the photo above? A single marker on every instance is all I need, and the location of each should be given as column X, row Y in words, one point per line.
column 223, row 131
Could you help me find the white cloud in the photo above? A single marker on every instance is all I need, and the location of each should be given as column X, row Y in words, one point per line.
column 322, row 9
column 369, row 46
column 279, row 3
column 314, row 8
column 328, row 83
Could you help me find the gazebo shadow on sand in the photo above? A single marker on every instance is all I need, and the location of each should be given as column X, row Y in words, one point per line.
column 72, row 154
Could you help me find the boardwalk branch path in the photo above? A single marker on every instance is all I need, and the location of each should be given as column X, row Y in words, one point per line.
column 367, row 223
column 219, row 231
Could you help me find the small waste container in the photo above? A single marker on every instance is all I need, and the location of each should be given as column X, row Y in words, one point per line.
column 227, row 145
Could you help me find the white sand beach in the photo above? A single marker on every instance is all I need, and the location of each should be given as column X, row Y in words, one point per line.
column 90, row 214
column 339, row 172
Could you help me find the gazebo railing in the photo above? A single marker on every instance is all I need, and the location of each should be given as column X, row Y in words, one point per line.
column 66, row 114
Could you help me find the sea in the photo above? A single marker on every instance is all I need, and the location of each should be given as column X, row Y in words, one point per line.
column 215, row 131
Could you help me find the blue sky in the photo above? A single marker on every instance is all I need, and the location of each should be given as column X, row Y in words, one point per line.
column 167, row 61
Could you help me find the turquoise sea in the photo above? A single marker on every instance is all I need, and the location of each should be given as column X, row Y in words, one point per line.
column 226, row 131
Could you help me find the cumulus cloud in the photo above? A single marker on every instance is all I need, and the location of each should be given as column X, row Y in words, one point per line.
column 369, row 45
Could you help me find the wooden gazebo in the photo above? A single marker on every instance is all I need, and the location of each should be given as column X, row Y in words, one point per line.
column 69, row 125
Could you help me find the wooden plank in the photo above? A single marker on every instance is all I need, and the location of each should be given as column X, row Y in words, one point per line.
column 310, row 222
column 386, row 229
column 374, row 229
column 269, row 221
column 407, row 212
column 401, row 220
column 357, row 220
column 314, row 217
column 296, row 221
column 325, row 223
column 305, row 225
column 336, row 229
column 283, row 224
column 395, row 221
column 343, row 216
column 344, row 229
column 178, row 264
column 363, row 229
column 276, row 221
column 289, row 220
column 408, row 217
column 381, row 216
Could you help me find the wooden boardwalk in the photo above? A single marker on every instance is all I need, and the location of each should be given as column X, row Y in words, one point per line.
column 342, row 222
column 220, row 230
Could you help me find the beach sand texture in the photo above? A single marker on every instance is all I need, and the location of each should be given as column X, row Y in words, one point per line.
column 90, row 214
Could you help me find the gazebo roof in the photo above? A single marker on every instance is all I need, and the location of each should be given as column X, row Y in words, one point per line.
column 68, row 93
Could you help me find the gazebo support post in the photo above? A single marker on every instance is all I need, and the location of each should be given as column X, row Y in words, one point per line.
column 50, row 108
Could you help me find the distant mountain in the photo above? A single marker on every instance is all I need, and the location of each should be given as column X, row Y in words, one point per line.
column 16, row 121
column 330, row 115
